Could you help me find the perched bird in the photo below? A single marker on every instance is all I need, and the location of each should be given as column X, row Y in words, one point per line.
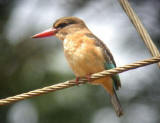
column 86, row 54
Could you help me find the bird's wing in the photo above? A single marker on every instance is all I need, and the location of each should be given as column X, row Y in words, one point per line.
column 110, row 63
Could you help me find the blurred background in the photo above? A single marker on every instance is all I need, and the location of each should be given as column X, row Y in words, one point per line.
column 27, row 64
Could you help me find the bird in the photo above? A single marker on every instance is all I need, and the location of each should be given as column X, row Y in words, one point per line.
column 86, row 54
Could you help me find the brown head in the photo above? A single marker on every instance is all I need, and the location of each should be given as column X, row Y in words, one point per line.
column 62, row 27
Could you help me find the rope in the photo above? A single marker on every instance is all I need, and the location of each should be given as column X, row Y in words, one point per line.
column 71, row 83
column 140, row 28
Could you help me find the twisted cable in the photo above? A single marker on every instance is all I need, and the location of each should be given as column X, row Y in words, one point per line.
column 71, row 83
column 140, row 28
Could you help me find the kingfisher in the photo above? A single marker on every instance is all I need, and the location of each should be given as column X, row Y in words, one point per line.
column 86, row 54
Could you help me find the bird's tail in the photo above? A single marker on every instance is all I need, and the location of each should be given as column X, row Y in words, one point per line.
column 116, row 104
column 113, row 96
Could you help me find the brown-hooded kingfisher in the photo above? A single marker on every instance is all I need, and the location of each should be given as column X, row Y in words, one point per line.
column 86, row 54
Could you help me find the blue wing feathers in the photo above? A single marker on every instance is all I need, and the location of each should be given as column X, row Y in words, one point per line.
column 116, row 79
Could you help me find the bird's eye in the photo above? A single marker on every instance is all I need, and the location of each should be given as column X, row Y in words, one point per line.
column 62, row 25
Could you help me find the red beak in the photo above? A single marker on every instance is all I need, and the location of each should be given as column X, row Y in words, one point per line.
column 46, row 33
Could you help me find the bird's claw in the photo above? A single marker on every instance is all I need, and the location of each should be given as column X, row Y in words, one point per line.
column 88, row 77
column 77, row 80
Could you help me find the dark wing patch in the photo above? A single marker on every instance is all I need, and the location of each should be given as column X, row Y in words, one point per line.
column 106, row 52
column 110, row 63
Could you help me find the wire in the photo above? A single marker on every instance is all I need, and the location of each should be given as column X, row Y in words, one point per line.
column 71, row 83
column 140, row 28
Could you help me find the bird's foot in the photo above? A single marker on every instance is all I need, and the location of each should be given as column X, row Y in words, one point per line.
column 77, row 80
column 88, row 77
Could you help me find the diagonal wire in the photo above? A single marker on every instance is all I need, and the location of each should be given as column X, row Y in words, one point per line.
column 140, row 28
column 71, row 83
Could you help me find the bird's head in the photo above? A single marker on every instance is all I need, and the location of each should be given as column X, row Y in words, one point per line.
column 62, row 27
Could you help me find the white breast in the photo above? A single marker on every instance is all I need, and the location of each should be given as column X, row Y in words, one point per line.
column 69, row 47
